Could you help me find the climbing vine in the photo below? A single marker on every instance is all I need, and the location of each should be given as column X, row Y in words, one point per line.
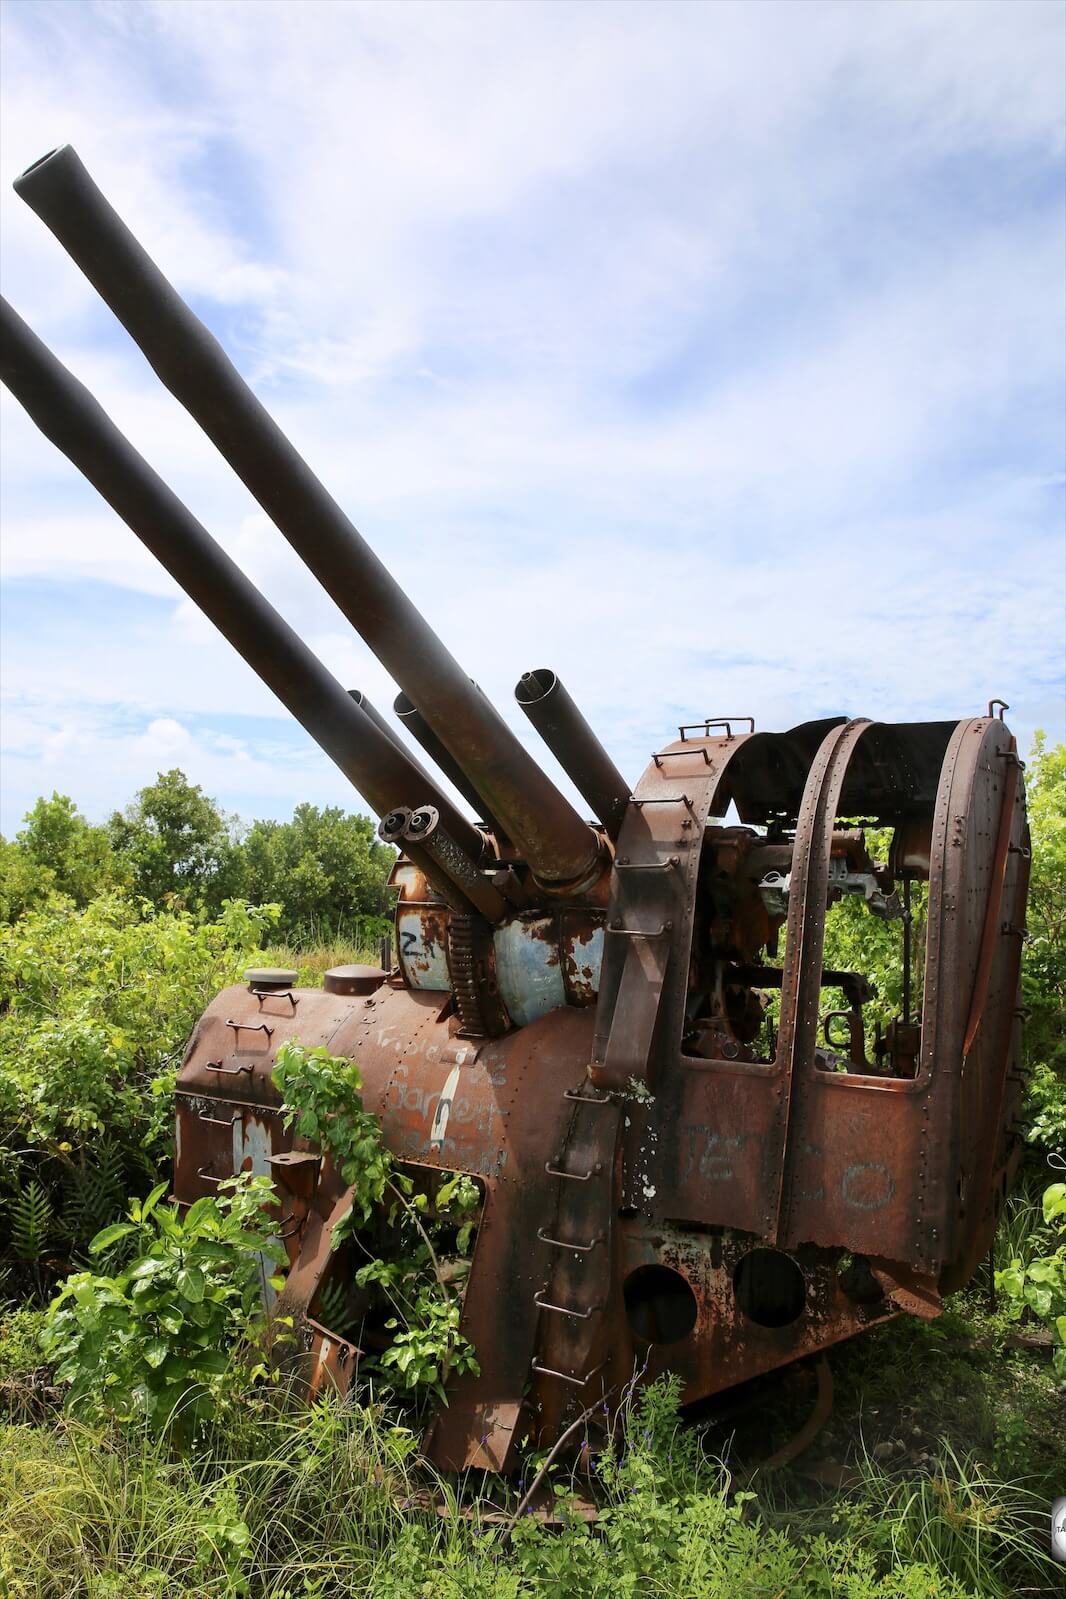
column 421, row 1273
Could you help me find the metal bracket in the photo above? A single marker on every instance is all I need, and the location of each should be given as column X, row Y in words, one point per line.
column 717, row 721
column 272, row 993
column 220, row 1121
column 227, row 1071
column 251, row 1027
column 665, row 755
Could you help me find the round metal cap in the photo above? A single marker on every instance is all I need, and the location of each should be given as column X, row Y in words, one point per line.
column 270, row 976
column 353, row 979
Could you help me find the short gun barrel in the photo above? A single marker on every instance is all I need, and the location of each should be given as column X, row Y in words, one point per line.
column 574, row 745
column 559, row 847
column 73, row 420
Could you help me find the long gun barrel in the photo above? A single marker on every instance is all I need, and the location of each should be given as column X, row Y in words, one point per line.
column 423, row 734
column 67, row 413
column 547, row 830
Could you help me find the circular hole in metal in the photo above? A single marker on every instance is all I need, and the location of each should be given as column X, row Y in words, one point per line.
column 858, row 1281
column 769, row 1287
column 660, row 1305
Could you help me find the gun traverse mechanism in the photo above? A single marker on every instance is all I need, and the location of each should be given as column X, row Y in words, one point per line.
column 692, row 1156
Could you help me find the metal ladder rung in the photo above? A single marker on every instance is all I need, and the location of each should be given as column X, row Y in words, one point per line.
column 563, row 1243
column 573, row 1176
column 565, row 1310
column 587, row 1099
column 671, row 865
column 668, row 799
column 251, row 1027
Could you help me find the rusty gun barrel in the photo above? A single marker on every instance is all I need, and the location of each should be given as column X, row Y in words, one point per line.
column 421, row 731
column 574, row 745
column 74, row 421
column 559, row 847
column 370, row 709
column 425, row 829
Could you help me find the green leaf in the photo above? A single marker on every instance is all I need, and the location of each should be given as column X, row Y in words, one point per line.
column 1054, row 1203
column 110, row 1235
column 156, row 1351
column 1039, row 1300
column 190, row 1284
column 212, row 1363
column 153, row 1198
column 197, row 1211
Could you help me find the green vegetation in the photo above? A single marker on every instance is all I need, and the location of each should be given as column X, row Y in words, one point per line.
column 1038, row 1284
column 96, row 1006
column 173, row 848
column 147, row 1451
column 334, row 1502
column 158, row 1338
column 413, row 1273
column 1044, row 964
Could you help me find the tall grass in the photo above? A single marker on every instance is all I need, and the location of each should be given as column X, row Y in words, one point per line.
column 1022, row 1232
column 334, row 1503
column 962, row 1521
column 311, row 961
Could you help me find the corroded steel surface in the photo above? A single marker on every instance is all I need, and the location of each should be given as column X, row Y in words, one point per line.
column 713, row 1213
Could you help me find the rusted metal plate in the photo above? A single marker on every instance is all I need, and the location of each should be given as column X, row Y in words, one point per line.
column 714, row 1343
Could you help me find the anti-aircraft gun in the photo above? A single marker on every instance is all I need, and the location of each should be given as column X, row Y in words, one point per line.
column 691, row 1158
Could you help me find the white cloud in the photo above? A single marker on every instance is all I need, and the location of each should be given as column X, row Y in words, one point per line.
column 711, row 355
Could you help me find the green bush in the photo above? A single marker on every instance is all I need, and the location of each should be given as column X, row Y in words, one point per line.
column 162, row 1337
column 20, row 1342
column 96, row 1006
column 1038, row 1284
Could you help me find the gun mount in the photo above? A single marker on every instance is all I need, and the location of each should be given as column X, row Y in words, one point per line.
column 691, row 1154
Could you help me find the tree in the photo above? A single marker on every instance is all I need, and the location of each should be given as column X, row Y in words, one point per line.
column 178, row 847
column 57, row 851
column 1044, row 963
column 327, row 869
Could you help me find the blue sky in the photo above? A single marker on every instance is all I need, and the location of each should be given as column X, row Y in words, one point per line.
column 710, row 355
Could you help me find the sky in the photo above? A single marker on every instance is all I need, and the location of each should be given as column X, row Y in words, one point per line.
column 713, row 356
